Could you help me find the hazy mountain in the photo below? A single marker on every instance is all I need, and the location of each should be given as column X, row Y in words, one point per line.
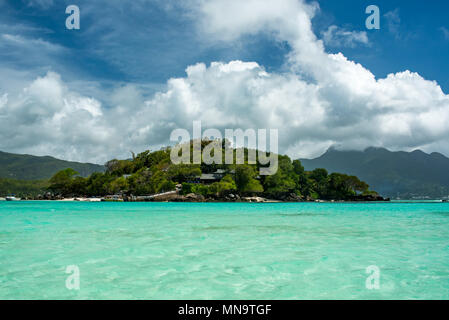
column 27, row 167
column 392, row 174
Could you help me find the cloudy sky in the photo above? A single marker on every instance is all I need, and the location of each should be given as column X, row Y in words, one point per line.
column 136, row 70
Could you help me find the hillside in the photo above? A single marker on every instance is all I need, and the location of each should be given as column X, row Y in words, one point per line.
column 151, row 173
column 394, row 174
column 22, row 188
column 27, row 167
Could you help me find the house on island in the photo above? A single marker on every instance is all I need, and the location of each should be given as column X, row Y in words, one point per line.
column 209, row 178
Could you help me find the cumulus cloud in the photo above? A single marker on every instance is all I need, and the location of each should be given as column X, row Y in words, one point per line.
column 47, row 118
column 337, row 37
column 324, row 100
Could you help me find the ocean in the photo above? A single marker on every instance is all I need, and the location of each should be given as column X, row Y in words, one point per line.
column 224, row 250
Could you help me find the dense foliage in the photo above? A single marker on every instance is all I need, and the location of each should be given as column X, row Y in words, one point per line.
column 393, row 174
column 153, row 172
column 22, row 188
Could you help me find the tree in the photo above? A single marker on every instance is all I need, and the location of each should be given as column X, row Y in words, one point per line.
column 357, row 185
column 153, row 172
column 79, row 186
column 284, row 180
column 118, row 185
column 342, row 186
column 140, row 182
column 245, row 179
column 319, row 175
column 97, row 184
column 183, row 172
column 159, row 182
column 319, row 182
column 62, row 180
column 279, row 183
column 302, row 184
column 226, row 184
column 119, row 167
column 298, row 167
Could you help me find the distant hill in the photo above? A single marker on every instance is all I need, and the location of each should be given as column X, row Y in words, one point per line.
column 27, row 167
column 393, row 174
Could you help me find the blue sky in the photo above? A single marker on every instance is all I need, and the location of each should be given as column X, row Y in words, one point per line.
column 120, row 41
column 410, row 38
column 126, row 55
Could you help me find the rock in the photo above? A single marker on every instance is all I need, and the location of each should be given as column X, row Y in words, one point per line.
column 194, row 197
column 286, row 197
column 369, row 198
column 293, row 197
column 179, row 199
column 254, row 199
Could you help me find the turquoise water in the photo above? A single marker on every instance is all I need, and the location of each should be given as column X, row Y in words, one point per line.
column 224, row 251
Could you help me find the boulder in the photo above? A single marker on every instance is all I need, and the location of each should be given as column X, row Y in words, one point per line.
column 293, row 197
column 194, row 197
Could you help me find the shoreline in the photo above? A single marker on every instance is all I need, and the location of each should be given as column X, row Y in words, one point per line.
column 70, row 200
column 207, row 201
column 196, row 198
column 176, row 196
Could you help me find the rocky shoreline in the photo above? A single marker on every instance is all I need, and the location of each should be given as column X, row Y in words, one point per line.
column 258, row 199
column 192, row 197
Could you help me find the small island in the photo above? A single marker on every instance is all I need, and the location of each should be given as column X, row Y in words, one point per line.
column 151, row 176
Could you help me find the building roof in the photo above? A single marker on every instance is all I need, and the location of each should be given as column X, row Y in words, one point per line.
column 210, row 176
column 217, row 175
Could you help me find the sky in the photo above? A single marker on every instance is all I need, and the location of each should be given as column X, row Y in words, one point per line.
column 137, row 70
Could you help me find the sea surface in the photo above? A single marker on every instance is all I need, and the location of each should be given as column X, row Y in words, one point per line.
column 224, row 250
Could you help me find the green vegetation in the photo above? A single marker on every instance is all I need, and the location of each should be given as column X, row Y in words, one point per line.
column 152, row 172
column 22, row 188
column 227, row 184
column 405, row 175
column 27, row 167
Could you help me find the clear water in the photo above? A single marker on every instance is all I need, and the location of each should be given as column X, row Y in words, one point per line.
column 224, row 251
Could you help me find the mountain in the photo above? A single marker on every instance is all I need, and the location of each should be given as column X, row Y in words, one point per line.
column 393, row 174
column 27, row 167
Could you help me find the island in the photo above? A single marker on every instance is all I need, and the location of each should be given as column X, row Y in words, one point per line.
column 152, row 176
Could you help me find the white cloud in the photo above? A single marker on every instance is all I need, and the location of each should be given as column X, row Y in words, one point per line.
column 445, row 32
column 324, row 100
column 22, row 42
column 3, row 100
column 337, row 37
column 27, row 52
column 45, row 4
column 47, row 118
column 393, row 22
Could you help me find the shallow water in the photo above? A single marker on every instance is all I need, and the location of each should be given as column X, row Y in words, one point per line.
column 224, row 250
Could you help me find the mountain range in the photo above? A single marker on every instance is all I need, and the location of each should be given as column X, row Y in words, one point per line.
column 399, row 174
column 28, row 167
